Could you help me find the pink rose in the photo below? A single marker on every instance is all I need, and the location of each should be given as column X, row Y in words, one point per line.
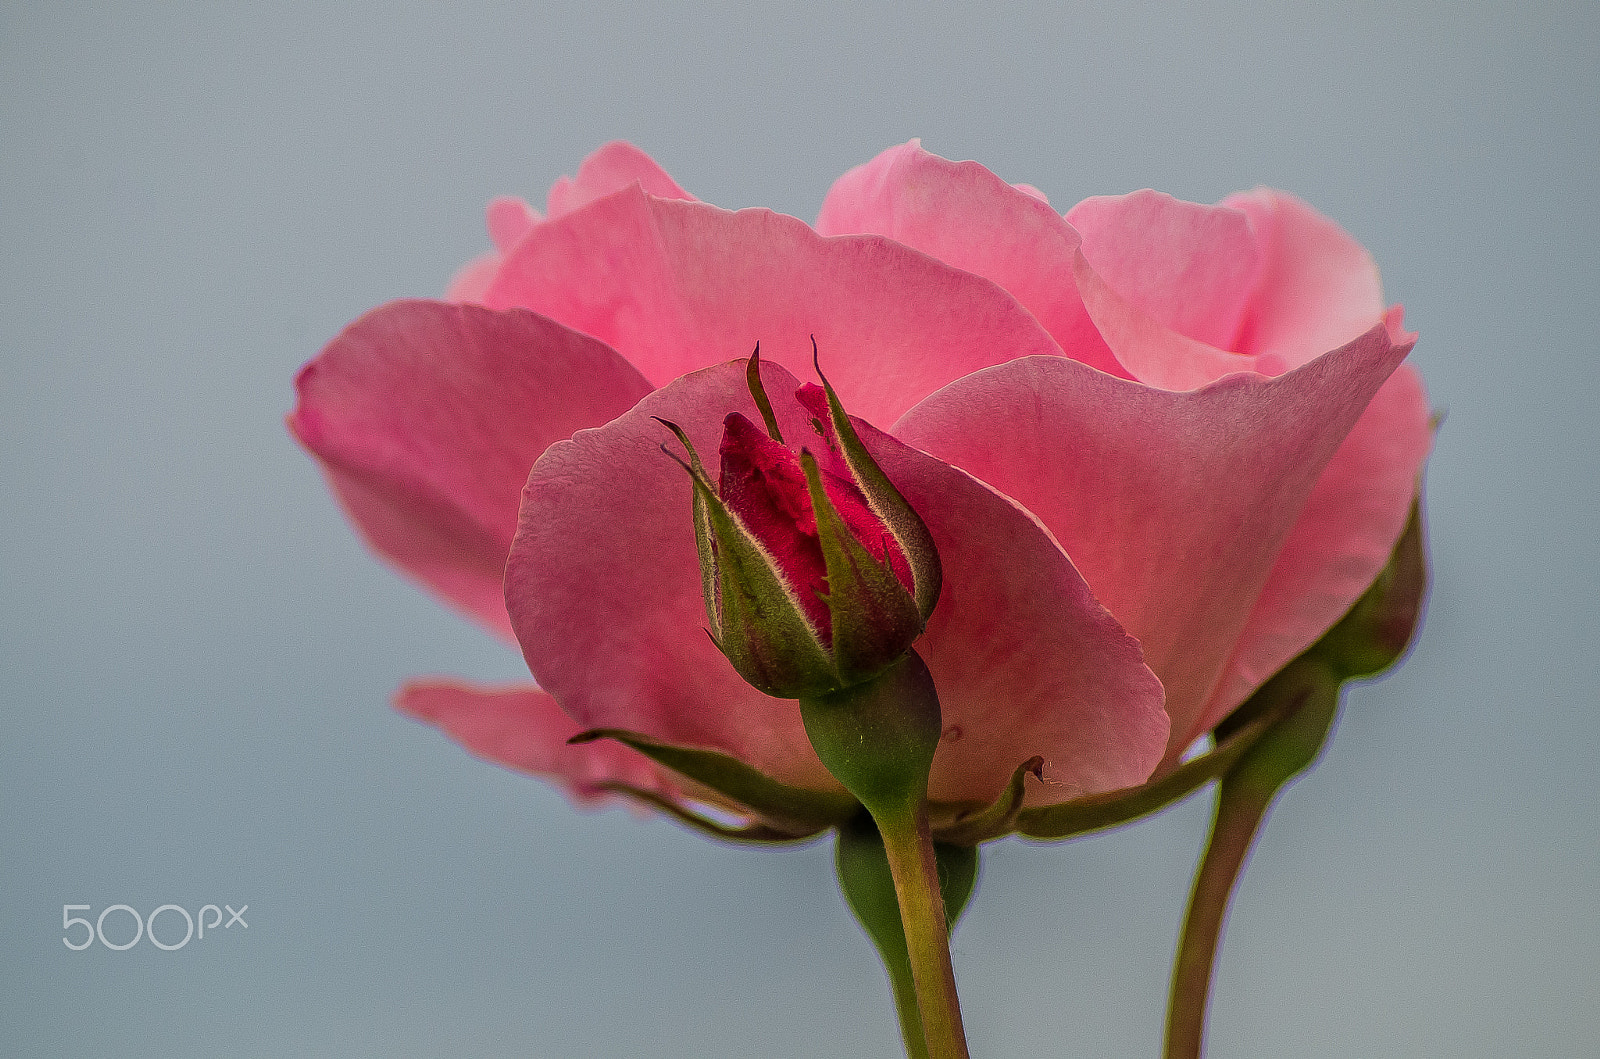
column 1161, row 448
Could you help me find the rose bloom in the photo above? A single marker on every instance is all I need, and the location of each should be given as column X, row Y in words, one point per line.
column 1161, row 448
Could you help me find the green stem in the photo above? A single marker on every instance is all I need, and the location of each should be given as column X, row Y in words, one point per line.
column 909, row 845
column 1240, row 809
column 878, row 739
column 868, row 888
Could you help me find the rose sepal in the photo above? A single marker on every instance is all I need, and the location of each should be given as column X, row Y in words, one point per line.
column 872, row 609
column 875, row 620
column 970, row 824
column 1101, row 812
column 1372, row 636
column 794, row 811
column 753, row 833
column 1379, row 628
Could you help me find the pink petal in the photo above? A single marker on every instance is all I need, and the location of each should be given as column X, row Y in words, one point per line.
column 613, row 167
column 473, row 278
column 965, row 216
column 1033, row 192
column 427, row 417
column 1343, row 538
column 603, row 583
column 522, row 728
column 1318, row 288
column 678, row 286
column 508, row 219
column 1025, row 658
column 1190, row 267
column 1175, row 506
column 1154, row 353
column 603, row 586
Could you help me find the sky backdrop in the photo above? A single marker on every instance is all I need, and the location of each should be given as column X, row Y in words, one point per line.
column 198, row 652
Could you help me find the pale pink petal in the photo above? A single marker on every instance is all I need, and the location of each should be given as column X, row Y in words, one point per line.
column 1343, row 538
column 604, row 589
column 1033, row 192
column 427, row 417
column 1318, row 288
column 965, row 216
column 1174, row 506
column 1154, row 353
column 473, row 278
column 613, row 167
column 522, row 728
column 508, row 219
column 1189, row 267
column 678, row 286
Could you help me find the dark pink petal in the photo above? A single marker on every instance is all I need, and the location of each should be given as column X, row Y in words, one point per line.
column 965, row 216
column 613, row 167
column 603, row 586
column 763, row 485
column 1318, row 288
column 1343, row 538
column 1174, row 505
column 522, row 728
column 678, row 286
column 427, row 417
column 1190, row 267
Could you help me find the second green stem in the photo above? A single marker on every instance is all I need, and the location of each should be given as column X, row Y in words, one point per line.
column 1238, row 817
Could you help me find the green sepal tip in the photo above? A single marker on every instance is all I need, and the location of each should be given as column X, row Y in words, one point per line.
column 902, row 520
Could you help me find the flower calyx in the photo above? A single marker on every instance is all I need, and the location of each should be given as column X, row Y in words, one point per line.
column 817, row 574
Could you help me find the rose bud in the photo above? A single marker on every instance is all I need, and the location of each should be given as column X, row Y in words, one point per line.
column 817, row 573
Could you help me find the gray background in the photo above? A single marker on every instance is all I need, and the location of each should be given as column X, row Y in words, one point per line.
column 197, row 653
